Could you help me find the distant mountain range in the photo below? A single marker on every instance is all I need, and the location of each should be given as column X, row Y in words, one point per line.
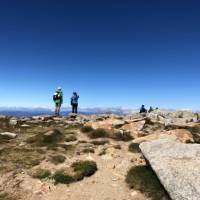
column 28, row 112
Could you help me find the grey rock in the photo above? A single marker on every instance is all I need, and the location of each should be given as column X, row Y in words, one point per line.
column 176, row 165
column 8, row 135
column 170, row 117
column 2, row 117
column 25, row 125
column 13, row 122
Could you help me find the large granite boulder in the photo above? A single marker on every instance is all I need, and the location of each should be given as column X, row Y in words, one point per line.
column 176, row 165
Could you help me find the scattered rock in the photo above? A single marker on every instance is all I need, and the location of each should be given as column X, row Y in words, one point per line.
column 25, row 126
column 13, row 122
column 8, row 135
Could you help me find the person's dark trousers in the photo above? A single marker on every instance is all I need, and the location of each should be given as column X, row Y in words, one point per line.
column 74, row 108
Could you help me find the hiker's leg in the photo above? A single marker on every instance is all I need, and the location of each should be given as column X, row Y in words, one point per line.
column 76, row 108
column 72, row 108
column 58, row 110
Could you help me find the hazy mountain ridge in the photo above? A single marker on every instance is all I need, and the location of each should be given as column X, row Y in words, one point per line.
column 24, row 111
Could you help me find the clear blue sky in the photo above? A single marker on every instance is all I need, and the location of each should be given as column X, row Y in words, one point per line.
column 113, row 53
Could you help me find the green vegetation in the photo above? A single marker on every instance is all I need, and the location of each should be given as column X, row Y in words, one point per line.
column 117, row 146
column 86, row 129
column 16, row 158
column 94, row 133
column 41, row 173
column 98, row 133
column 70, row 138
column 151, row 126
column 57, row 159
column 68, row 147
column 134, row 148
column 61, row 176
column 142, row 178
column 125, row 136
column 46, row 139
column 6, row 196
column 99, row 142
column 196, row 133
column 80, row 169
column 87, row 168
column 88, row 150
column 102, row 133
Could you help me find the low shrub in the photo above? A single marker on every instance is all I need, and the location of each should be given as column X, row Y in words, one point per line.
column 80, row 169
column 99, row 142
column 45, row 139
column 70, row 138
column 86, row 129
column 87, row 168
column 88, row 150
column 134, row 148
column 122, row 136
column 6, row 196
column 63, row 177
column 98, row 133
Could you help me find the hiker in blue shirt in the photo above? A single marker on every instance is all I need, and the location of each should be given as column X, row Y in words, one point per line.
column 74, row 102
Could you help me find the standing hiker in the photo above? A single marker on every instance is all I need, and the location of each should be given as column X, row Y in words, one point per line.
column 74, row 102
column 58, row 100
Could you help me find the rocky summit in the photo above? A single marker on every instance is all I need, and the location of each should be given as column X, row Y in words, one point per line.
column 151, row 156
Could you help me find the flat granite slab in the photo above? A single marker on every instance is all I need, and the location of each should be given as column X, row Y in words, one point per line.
column 177, row 166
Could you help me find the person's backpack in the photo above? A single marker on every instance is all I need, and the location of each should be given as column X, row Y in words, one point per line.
column 56, row 97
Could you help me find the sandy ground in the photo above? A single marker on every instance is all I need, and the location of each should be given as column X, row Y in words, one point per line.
column 108, row 183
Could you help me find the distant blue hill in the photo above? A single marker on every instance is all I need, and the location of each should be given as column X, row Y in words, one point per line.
column 29, row 112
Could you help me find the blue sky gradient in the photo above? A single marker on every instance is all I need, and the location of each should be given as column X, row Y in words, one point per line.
column 113, row 53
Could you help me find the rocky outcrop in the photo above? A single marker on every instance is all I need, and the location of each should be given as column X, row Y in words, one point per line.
column 182, row 135
column 176, row 165
column 108, row 124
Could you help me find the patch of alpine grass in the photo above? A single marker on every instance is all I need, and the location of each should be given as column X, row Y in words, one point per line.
column 142, row 178
column 62, row 176
column 122, row 136
column 57, row 159
column 88, row 150
column 41, row 173
column 86, row 129
column 100, row 142
column 98, row 133
column 77, row 172
column 70, row 138
column 86, row 168
column 6, row 196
